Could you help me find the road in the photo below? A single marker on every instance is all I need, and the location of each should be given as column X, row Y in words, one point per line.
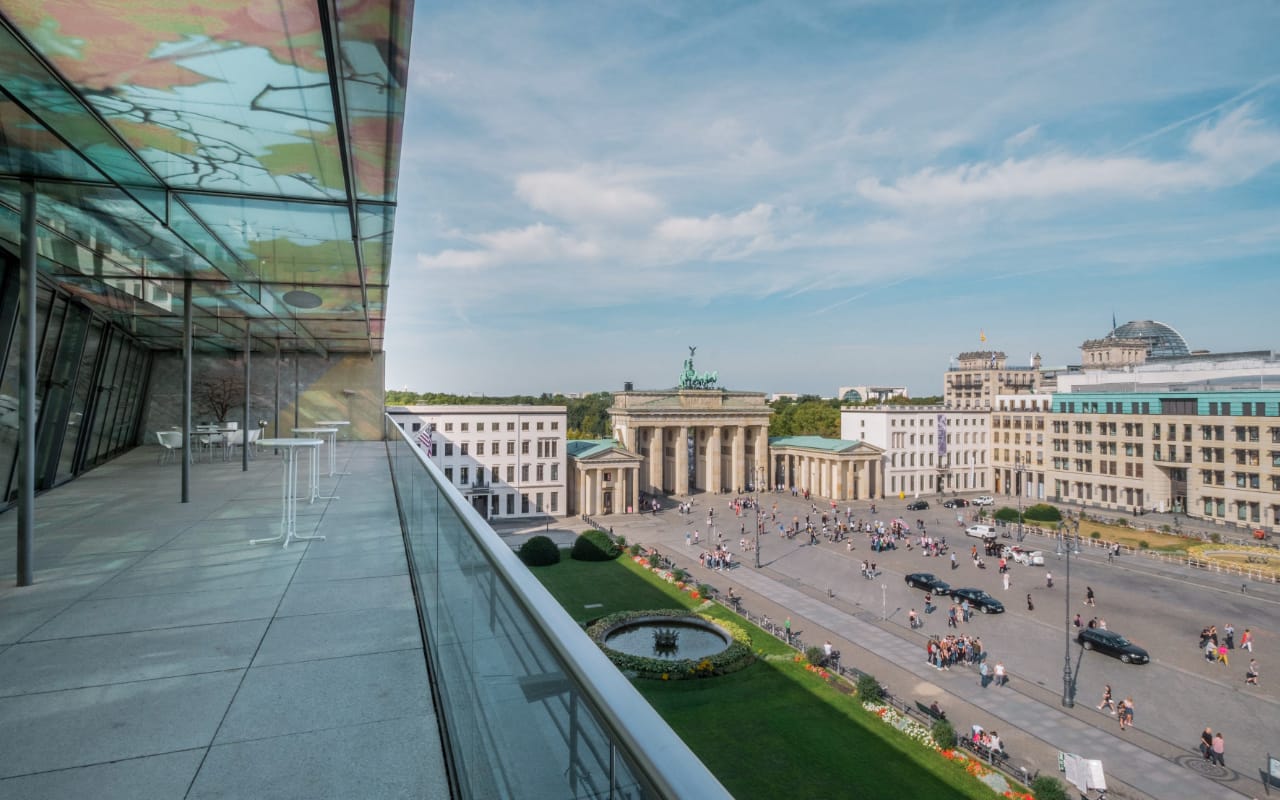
column 1159, row 606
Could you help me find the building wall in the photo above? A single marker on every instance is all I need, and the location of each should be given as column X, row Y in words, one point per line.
column 311, row 388
column 1018, row 443
column 526, row 477
column 909, row 436
column 1197, row 452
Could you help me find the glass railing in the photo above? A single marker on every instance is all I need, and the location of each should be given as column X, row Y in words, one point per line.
column 530, row 705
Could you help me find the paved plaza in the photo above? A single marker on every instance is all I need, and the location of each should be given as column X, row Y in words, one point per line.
column 1160, row 606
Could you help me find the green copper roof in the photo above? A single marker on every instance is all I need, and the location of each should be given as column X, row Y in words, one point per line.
column 586, row 448
column 813, row 443
column 251, row 147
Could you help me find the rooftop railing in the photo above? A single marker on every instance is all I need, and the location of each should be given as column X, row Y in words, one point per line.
column 530, row 706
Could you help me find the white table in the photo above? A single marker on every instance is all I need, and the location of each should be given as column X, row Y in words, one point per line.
column 313, row 490
column 288, row 449
column 333, row 451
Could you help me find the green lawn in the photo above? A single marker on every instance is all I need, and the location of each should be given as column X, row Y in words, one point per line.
column 771, row 730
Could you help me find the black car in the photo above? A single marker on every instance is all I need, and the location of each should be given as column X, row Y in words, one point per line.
column 919, row 505
column 979, row 600
column 929, row 582
column 955, row 502
column 1113, row 644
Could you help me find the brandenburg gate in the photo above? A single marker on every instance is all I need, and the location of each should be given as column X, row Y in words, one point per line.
column 695, row 437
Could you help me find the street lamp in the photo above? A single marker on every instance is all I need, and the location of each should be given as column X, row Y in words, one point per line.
column 1068, row 682
column 1018, row 468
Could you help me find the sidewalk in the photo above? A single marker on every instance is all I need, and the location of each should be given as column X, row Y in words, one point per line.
column 1031, row 721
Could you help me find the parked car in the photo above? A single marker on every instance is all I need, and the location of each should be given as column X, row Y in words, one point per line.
column 984, row 500
column 980, row 531
column 918, row 505
column 1112, row 644
column 1032, row 558
column 979, row 599
column 929, row 582
column 955, row 502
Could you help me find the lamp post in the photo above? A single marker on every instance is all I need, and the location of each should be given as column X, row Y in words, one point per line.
column 1018, row 468
column 1068, row 684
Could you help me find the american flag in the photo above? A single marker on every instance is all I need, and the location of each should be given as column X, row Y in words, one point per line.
column 426, row 442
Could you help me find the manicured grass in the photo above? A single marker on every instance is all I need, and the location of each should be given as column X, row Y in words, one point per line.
column 773, row 729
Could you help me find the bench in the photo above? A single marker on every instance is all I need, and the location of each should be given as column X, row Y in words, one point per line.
column 997, row 757
column 929, row 712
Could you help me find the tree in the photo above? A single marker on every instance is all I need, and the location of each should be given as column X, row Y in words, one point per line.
column 218, row 390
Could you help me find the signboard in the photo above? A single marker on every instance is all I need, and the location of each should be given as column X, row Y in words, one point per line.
column 1082, row 773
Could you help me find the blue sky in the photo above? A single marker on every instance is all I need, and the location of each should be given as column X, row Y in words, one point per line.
column 825, row 194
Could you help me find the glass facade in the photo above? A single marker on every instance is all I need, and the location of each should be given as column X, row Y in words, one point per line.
column 89, row 386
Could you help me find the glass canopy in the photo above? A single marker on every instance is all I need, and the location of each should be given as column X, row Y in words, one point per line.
column 252, row 147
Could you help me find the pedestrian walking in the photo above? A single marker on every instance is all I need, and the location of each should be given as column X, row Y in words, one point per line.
column 1206, row 743
column 1219, row 750
column 1107, row 702
column 1251, row 674
column 1088, row 596
column 913, row 619
column 1246, row 640
column 1001, row 678
column 985, row 673
column 1222, row 654
column 1005, row 578
column 1126, row 713
column 1230, row 632
column 1030, row 605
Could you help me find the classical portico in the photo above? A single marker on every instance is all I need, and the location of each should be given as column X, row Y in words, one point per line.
column 695, row 440
column 837, row 469
column 604, row 478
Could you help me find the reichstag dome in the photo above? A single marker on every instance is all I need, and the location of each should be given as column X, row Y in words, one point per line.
column 1162, row 341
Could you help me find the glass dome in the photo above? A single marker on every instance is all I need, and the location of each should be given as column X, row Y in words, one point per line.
column 1162, row 341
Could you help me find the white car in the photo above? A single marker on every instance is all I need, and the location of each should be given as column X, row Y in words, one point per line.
column 1032, row 558
column 980, row 531
column 984, row 500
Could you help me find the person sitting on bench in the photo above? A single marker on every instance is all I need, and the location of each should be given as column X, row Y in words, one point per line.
column 937, row 712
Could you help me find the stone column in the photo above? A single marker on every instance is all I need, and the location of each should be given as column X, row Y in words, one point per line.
column 763, row 462
column 635, row 488
column 682, row 461
column 588, row 493
column 714, row 484
column 699, row 461
column 628, row 440
column 599, row 499
column 656, row 456
column 737, row 458
column 878, row 478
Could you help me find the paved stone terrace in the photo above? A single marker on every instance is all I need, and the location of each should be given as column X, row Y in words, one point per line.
column 160, row 655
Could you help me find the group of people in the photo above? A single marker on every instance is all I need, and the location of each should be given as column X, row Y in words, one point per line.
column 944, row 651
column 1123, row 711
column 1217, row 648
column 1213, row 747
column 719, row 559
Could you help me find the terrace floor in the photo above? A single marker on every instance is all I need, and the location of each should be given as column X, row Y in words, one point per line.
column 159, row 654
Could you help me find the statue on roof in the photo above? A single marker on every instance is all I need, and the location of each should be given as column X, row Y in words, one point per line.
column 690, row 379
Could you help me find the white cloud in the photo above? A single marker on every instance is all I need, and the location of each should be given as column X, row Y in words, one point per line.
column 536, row 243
column 1232, row 151
column 578, row 197
column 707, row 231
column 1022, row 137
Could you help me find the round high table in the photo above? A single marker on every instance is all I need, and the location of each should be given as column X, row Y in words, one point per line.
column 313, row 490
column 333, row 451
column 288, row 449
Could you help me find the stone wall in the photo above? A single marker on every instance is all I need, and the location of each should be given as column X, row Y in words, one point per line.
column 311, row 388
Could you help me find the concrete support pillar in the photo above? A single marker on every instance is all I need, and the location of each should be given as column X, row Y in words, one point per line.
column 681, row 484
column 877, row 479
column 656, row 443
column 714, row 482
column 27, row 342
column 763, row 464
column 737, row 458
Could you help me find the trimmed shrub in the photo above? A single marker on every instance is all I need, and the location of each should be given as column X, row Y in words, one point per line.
column 1007, row 514
column 1143, row 544
column 620, row 541
column 1215, row 537
column 944, row 735
column 594, row 546
column 679, row 575
column 706, row 589
column 634, row 550
column 814, row 655
column 1095, row 535
column 1043, row 512
column 539, row 551
column 869, row 688
column 1121, row 522
column 1047, row 787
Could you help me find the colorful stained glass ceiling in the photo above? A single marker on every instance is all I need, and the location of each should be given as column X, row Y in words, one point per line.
column 249, row 145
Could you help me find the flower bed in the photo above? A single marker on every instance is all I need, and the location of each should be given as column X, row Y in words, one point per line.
column 733, row 658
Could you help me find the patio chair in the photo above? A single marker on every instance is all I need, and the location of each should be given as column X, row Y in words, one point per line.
column 233, row 439
column 170, row 442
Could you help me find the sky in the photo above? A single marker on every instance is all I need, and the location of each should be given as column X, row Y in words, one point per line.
column 826, row 194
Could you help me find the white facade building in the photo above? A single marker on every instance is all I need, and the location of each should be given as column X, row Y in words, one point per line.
column 928, row 449
column 508, row 461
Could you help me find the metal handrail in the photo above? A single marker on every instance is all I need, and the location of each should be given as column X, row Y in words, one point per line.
column 645, row 739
